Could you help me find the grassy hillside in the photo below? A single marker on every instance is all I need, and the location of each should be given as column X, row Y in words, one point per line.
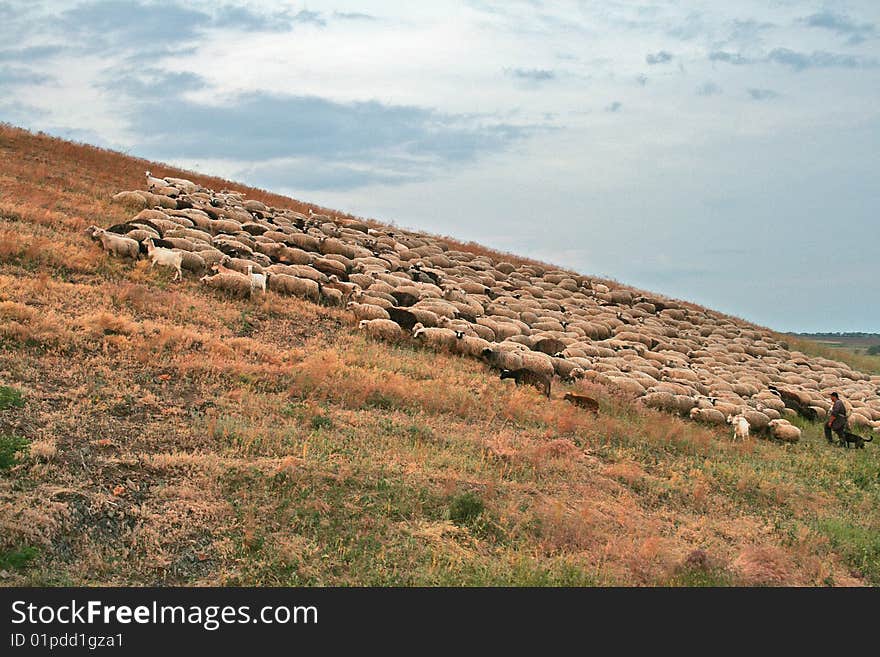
column 158, row 433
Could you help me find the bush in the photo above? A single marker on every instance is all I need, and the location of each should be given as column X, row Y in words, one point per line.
column 18, row 559
column 874, row 350
column 9, row 447
column 465, row 509
column 10, row 398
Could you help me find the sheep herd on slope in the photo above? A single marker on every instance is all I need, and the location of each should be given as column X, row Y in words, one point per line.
column 534, row 324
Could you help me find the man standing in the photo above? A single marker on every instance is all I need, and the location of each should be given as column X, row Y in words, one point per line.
column 836, row 420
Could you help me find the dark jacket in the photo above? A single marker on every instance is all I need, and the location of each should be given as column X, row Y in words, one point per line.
column 838, row 411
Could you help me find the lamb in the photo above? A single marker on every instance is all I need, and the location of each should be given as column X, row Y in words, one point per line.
column 784, row 430
column 525, row 376
column 122, row 247
column 165, row 257
column 381, row 329
column 583, row 401
column 740, row 426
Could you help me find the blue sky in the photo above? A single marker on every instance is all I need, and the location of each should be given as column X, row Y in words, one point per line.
column 723, row 153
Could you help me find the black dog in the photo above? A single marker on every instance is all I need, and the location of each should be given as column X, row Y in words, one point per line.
column 859, row 441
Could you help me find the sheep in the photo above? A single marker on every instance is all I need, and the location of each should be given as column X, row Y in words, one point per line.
column 583, row 401
column 784, row 430
column 347, row 289
column 367, row 311
column 524, row 376
column 381, row 329
column 437, row 337
column 165, row 257
column 296, row 286
column 505, row 359
column 122, row 247
column 709, row 415
column 740, row 426
column 235, row 284
column 469, row 345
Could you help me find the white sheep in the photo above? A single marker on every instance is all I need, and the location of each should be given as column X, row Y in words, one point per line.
column 709, row 415
column 381, row 329
column 740, row 426
column 784, row 430
column 436, row 337
column 118, row 245
column 235, row 284
column 367, row 311
column 166, row 257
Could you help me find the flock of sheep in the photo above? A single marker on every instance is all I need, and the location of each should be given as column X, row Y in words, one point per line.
column 534, row 324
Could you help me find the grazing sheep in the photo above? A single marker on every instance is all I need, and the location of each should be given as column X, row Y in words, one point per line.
column 708, row 415
column 165, row 257
column 583, row 401
column 367, row 311
column 121, row 247
column 524, row 376
column 469, row 345
column 505, row 359
column 436, row 337
column 740, row 426
column 381, row 329
column 235, row 284
column 784, row 430
column 293, row 285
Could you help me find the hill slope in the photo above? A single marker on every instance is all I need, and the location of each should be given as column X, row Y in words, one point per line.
column 162, row 433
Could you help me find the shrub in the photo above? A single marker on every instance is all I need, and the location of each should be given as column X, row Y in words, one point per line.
column 874, row 350
column 17, row 559
column 465, row 509
column 10, row 398
column 9, row 447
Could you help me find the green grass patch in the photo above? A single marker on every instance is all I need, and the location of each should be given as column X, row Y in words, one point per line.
column 10, row 445
column 859, row 546
column 18, row 559
column 10, row 398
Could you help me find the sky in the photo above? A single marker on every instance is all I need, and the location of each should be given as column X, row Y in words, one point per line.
column 722, row 153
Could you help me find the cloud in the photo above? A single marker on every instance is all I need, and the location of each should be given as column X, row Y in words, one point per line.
column 843, row 25
column 797, row 61
column 152, row 83
column 763, row 94
column 708, row 89
column 642, row 79
column 247, row 20
column 106, row 24
column 12, row 76
column 30, row 54
column 729, row 58
column 353, row 16
column 400, row 142
column 310, row 174
column 310, row 17
column 819, row 59
column 532, row 75
column 658, row 58
column 616, row 106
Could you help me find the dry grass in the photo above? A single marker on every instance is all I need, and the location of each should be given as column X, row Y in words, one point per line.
column 173, row 436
